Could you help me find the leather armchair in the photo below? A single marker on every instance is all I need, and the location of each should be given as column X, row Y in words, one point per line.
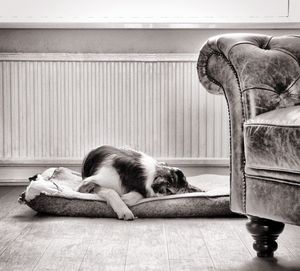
column 259, row 77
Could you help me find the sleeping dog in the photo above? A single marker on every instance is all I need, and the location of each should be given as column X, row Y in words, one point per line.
column 124, row 176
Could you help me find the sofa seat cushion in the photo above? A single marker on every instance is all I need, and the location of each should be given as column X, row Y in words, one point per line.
column 272, row 144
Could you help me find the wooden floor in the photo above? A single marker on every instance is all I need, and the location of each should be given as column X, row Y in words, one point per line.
column 33, row 242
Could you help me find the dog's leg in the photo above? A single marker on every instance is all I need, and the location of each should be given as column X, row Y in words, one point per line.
column 106, row 185
column 87, row 188
column 106, row 177
column 86, row 184
column 132, row 198
column 116, row 203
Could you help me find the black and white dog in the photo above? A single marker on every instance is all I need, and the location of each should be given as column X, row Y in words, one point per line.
column 124, row 176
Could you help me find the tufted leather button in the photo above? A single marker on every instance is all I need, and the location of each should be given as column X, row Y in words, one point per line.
column 261, row 63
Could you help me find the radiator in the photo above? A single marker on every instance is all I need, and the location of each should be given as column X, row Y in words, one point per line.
column 57, row 107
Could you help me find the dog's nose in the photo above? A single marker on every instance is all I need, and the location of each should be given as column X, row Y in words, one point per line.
column 162, row 190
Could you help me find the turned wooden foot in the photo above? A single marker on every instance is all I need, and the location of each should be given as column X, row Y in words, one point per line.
column 265, row 233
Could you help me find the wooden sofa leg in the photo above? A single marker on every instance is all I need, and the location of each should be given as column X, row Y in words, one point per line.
column 265, row 233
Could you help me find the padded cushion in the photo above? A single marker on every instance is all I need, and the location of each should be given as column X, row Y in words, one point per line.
column 272, row 144
column 56, row 195
column 274, row 200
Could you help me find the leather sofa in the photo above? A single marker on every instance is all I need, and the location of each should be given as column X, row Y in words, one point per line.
column 259, row 77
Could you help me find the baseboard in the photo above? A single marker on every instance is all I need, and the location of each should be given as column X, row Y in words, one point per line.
column 77, row 162
column 17, row 172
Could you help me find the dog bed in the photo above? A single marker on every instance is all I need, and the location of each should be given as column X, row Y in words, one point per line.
column 54, row 192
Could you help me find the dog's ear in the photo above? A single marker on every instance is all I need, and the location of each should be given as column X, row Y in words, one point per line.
column 179, row 173
column 181, row 179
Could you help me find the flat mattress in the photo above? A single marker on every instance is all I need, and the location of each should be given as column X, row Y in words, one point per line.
column 54, row 193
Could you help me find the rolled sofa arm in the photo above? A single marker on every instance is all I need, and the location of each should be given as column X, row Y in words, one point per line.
column 256, row 73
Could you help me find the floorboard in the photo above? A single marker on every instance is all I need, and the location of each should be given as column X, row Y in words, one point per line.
column 63, row 254
column 186, row 245
column 8, row 201
column 29, row 241
column 147, row 247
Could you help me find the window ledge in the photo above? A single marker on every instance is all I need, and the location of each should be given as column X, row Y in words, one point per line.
column 155, row 25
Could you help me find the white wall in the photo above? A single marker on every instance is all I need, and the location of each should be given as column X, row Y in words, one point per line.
column 70, row 13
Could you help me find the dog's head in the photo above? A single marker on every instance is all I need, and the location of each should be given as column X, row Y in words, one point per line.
column 170, row 181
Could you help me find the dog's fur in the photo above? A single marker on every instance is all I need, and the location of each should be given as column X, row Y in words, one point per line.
column 126, row 176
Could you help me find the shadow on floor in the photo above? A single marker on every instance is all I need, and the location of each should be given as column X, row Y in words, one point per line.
column 273, row 264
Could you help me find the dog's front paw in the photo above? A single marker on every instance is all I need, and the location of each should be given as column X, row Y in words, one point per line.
column 125, row 214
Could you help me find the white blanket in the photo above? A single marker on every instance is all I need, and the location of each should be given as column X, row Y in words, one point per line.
column 63, row 182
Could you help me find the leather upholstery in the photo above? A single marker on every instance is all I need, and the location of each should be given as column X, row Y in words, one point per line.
column 259, row 76
column 272, row 144
column 273, row 200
